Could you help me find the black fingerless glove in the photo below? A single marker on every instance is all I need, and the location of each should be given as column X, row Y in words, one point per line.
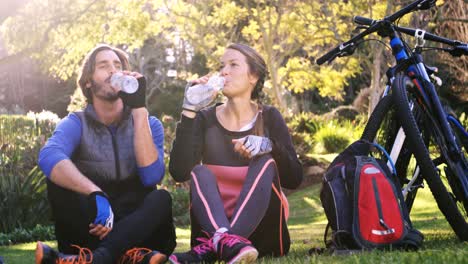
column 137, row 99
column 100, row 210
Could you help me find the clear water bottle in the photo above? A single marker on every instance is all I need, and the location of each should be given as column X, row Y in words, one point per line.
column 124, row 83
column 202, row 94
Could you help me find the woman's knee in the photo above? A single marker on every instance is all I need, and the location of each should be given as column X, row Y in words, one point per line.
column 200, row 169
column 263, row 159
column 202, row 173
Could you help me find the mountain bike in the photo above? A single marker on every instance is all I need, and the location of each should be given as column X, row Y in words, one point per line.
column 424, row 138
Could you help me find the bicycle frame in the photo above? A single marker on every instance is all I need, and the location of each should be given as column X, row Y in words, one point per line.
column 423, row 118
column 427, row 96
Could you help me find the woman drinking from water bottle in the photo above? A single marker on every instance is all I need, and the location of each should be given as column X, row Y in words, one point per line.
column 238, row 155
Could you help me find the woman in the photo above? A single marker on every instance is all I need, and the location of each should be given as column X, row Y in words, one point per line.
column 237, row 207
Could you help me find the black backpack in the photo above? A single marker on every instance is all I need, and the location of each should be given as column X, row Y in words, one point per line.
column 364, row 204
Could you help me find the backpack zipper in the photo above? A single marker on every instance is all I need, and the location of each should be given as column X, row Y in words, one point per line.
column 379, row 205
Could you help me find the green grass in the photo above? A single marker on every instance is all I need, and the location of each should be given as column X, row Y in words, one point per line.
column 307, row 223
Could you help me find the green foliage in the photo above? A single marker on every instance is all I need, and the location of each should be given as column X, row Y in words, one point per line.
column 167, row 100
column 286, row 33
column 180, row 206
column 23, row 201
column 179, row 192
column 302, row 127
column 60, row 33
column 77, row 101
column 314, row 134
column 163, row 93
column 331, row 139
column 21, row 138
column 289, row 34
column 21, row 235
column 305, row 122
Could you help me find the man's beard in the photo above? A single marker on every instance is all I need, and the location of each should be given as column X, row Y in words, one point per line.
column 98, row 91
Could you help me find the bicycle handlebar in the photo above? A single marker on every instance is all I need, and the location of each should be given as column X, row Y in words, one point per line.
column 416, row 5
column 347, row 48
column 429, row 36
column 459, row 50
column 363, row 20
column 329, row 56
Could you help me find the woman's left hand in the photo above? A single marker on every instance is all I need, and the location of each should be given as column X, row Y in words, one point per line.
column 251, row 146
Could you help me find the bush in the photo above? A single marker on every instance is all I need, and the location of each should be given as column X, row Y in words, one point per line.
column 22, row 137
column 305, row 123
column 181, row 206
column 5, row 240
column 21, row 235
column 302, row 127
column 331, row 139
column 318, row 134
column 41, row 233
column 23, row 201
column 178, row 191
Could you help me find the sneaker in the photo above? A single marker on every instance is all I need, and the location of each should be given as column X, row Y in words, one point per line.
column 47, row 255
column 142, row 256
column 236, row 249
column 203, row 252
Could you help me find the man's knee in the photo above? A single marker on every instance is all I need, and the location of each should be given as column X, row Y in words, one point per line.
column 160, row 198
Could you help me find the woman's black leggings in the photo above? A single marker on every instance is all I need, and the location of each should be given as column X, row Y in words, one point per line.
column 259, row 211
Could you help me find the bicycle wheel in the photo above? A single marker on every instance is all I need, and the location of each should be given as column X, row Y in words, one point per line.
column 460, row 134
column 383, row 128
column 442, row 173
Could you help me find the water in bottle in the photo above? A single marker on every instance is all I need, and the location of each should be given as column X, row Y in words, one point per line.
column 201, row 94
column 124, row 83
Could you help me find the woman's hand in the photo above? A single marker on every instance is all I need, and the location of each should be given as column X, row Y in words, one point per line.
column 203, row 79
column 252, row 146
column 195, row 101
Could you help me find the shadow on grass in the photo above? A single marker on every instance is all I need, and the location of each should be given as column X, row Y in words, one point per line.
column 306, row 206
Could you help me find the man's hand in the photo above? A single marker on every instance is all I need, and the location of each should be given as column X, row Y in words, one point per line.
column 137, row 99
column 251, row 146
column 101, row 213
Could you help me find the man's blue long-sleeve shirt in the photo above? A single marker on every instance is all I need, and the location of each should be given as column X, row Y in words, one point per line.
column 66, row 138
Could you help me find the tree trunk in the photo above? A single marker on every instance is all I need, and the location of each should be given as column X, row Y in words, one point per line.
column 277, row 88
column 375, row 87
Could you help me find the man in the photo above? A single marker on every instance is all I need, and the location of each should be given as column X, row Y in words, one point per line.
column 102, row 165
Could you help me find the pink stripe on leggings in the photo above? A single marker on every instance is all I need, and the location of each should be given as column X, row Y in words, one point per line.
column 205, row 203
column 251, row 191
